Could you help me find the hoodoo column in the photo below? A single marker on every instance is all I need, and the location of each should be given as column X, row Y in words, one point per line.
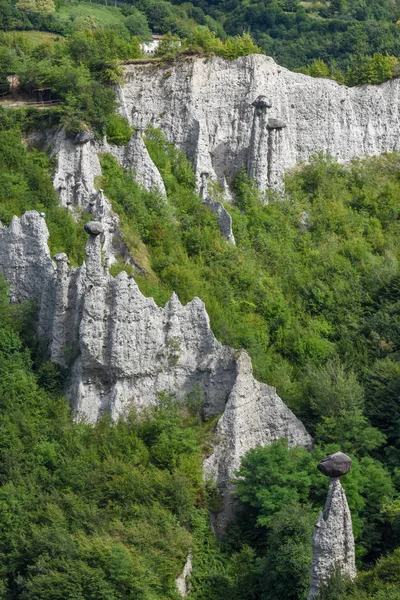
column 266, row 146
column 257, row 166
column 333, row 540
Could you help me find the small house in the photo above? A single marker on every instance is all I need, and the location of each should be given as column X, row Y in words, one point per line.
column 149, row 48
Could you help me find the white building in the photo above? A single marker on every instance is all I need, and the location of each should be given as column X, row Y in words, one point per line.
column 149, row 48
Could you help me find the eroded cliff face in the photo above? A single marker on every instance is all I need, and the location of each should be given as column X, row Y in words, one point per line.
column 78, row 173
column 122, row 350
column 254, row 415
column 207, row 107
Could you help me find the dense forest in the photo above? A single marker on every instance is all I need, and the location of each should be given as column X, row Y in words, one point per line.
column 351, row 41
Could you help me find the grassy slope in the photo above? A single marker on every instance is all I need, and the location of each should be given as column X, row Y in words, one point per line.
column 35, row 37
column 103, row 15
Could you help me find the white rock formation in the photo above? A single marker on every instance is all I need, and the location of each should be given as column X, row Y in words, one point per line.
column 122, row 349
column 27, row 266
column 333, row 540
column 78, row 167
column 224, row 219
column 206, row 107
column 135, row 157
column 254, row 415
column 182, row 582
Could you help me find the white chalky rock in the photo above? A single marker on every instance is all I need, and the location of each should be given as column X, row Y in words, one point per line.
column 122, row 349
column 333, row 540
column 207, row 107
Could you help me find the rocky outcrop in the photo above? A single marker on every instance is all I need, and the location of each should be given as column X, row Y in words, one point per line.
column 78, row 173
column 209, row 109
column 83, row 137
column 26, row 264
column 254, row 415
column 94, row 228
column 135, row 157
column 266, row 142
column 183, row 581
column 224, row 219
column 78, row 167
column 333, row 540
column 335, row 465
column 122, row 350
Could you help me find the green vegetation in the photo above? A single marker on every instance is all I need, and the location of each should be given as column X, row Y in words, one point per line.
column 361, row 69
column 80, row 70
column 83, row 14
column 118, row 130
column 110, row 511
column 352, row 42
column 25, row 184
column 204, row 42
column 31, row 37
column 89, row 512
column 311, row 291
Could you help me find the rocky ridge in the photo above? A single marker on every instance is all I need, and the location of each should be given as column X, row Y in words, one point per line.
column 122, row 350
column 78, row 170
column 209, row 108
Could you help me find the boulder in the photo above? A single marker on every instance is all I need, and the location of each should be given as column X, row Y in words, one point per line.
column 276, row 124
column 335, row 465
column 60, row 257
column 262, row 102
column 94, row 228
column 83, row 137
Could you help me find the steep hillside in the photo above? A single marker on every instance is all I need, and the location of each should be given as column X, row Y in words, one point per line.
column 309, row 289
column 355, row 42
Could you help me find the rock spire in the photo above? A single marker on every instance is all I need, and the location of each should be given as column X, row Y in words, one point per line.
column 224, row 219
column 333, row 540
column 266, row 143
column 122, row 350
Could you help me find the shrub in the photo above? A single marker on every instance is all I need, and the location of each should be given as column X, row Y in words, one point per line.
column 118, row 130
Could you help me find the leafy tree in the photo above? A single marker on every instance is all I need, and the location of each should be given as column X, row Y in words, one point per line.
column 272, row 477
column 286, row 566
column 318, row 68
column 137, row 25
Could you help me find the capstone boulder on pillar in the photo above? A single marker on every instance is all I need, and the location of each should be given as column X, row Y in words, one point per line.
column 333, row 540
